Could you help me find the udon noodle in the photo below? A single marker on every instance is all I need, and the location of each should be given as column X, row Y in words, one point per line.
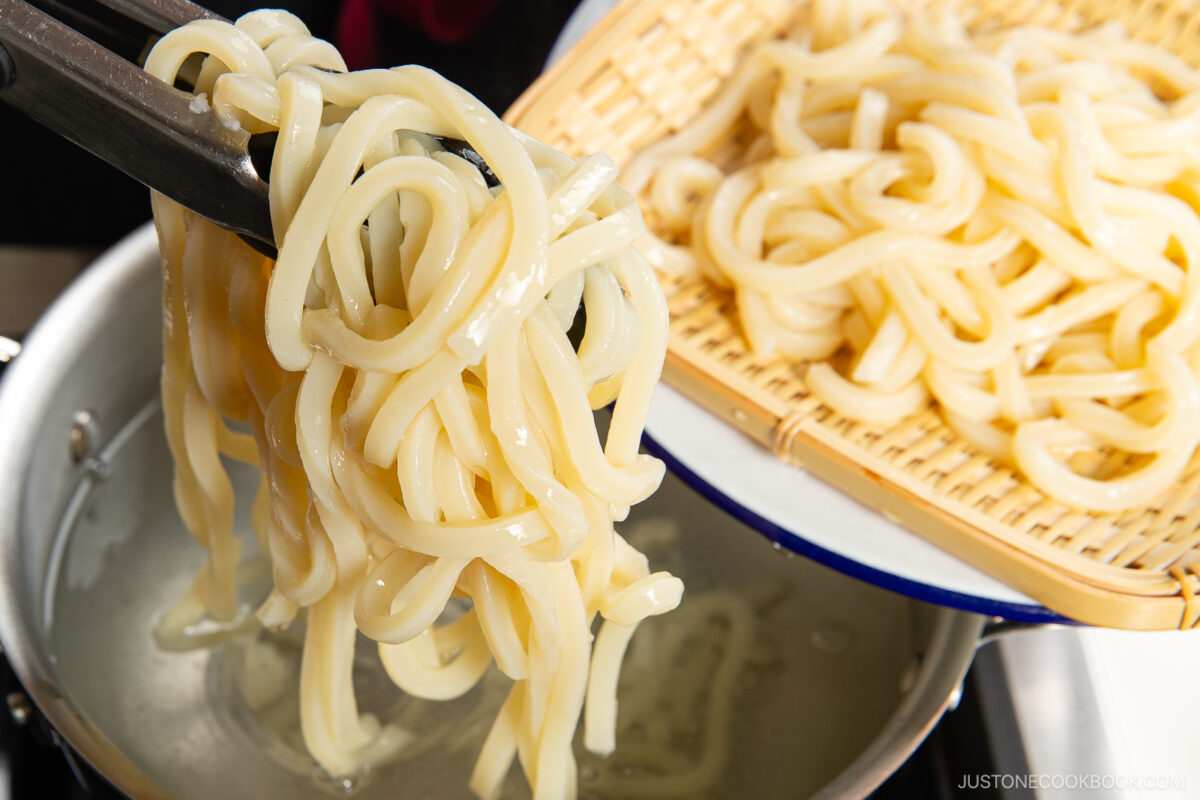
column 403, row 377
column 1003, row 223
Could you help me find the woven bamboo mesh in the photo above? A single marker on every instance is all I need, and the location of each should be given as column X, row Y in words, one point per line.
column 644, row 71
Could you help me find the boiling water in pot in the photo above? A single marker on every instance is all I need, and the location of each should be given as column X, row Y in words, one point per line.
column 807, row 663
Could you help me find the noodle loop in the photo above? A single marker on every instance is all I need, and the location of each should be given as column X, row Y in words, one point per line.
column 423, row 425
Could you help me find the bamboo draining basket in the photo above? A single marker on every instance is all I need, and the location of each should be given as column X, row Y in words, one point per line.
column 645, row 70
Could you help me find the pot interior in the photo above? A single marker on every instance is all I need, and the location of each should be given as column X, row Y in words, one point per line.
column 772, row 680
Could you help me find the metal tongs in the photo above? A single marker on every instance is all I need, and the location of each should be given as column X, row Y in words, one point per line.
column 72, row 65
column 53, row 68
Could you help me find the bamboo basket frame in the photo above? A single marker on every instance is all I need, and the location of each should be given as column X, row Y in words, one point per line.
column 646, row 69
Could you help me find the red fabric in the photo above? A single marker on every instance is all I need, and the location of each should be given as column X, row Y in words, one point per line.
column 355, row 34
column 447, row 22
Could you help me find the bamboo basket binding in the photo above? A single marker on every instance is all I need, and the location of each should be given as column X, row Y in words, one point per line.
column 645, row 70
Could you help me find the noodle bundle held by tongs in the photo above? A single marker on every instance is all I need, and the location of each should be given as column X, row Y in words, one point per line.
column 400, row 372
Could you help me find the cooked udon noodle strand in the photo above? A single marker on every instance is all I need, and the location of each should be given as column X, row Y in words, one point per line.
column 1004, row 223
column 422, row 423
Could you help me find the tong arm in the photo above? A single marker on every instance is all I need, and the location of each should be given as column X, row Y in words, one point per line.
column 110, row 107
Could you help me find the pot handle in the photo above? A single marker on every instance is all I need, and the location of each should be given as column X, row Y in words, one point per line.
column 997, row 627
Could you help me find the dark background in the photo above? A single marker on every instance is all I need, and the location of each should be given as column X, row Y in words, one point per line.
column 53, row 193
